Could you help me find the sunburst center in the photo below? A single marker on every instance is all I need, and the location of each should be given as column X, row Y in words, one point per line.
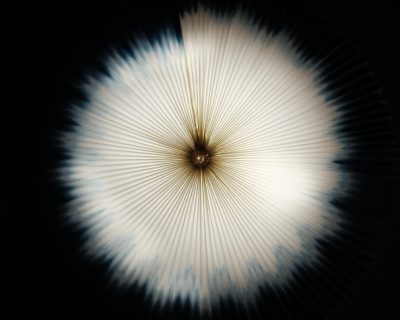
column 200, row 157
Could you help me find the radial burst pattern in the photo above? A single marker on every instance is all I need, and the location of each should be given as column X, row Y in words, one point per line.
column 204, row 165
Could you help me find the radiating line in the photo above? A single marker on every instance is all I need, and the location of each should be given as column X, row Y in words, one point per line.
column 250, row 216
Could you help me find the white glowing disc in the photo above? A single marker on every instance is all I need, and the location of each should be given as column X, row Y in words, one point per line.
column 249, row 218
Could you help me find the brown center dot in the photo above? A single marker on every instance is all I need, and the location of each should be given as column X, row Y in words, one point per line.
column 200, row 158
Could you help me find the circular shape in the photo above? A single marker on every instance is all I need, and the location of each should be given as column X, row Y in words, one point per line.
column 265, row 201
column 215, row 164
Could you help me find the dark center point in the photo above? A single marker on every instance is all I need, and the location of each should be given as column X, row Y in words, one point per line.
column 200, row 158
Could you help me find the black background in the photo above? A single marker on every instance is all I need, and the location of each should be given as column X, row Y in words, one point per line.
column 49, row 47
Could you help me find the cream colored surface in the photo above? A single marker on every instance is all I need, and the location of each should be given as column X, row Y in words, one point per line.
column 202, row 236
